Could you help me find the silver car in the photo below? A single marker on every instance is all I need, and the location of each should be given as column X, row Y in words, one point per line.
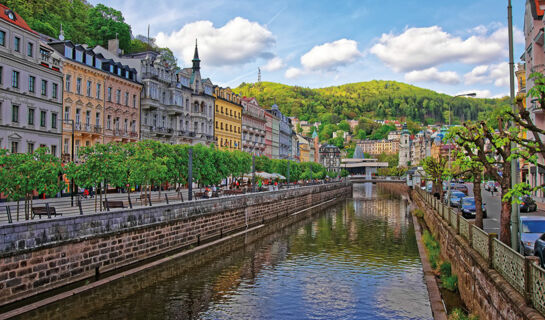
column 531, row 228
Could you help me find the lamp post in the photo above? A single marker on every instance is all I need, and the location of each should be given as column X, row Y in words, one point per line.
column 472, row 94
column 71, row 121
column 514, row 162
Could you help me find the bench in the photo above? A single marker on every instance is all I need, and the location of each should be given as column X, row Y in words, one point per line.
column 41, row 211
column 198, row 195
column 113, row 204
column 233, row 192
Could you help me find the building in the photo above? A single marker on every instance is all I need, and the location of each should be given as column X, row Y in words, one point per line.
column 100, row 99
column 284, row 134
column 295, row 152
column 253, row 127
column 268, row 134
column 330, row 157
column 275, row 132
column 30, row 88
column 304, row 144
column 177, row 105
column 394, row 135
column 376, row 147
column 405, row 148
column 228, row 119
column 534, row 58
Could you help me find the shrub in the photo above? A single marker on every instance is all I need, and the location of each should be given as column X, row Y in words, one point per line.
column 450, row 282
column 418, row 213
column 458, row 314
column 446, row 269
column 433, row 249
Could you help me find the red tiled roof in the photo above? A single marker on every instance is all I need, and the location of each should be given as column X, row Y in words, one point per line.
column 20, row 22
column 539, row 11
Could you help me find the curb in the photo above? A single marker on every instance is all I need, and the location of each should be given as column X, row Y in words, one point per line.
column 437, row 306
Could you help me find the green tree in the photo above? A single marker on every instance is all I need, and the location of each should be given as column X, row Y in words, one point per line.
column 436, row 169
column 106, row 23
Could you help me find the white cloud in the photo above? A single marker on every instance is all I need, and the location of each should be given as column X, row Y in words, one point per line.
column 432, row 74
column 494, row 73
column 274, row 64
column 239, row 41
column 331, row 55
column 293, row 73
column 480, row 93
column 422, row 48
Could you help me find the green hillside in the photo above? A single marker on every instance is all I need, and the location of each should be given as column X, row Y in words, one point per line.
column 373, row 99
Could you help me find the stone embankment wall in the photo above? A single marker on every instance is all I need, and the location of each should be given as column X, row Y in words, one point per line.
column 38, row 256
column 484, row 291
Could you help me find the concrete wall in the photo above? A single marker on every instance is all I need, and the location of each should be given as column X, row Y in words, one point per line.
column 484, row 291
column 41, row 255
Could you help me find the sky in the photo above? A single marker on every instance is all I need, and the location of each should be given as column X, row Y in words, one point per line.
column 448, row 46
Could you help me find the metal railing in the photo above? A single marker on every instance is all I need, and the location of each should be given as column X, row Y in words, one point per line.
column 522, row 273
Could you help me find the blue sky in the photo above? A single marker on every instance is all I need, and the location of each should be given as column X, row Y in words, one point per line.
column 448, row 46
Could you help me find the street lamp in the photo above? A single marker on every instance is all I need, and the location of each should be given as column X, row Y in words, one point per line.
column 71, row 121
column 471, row 94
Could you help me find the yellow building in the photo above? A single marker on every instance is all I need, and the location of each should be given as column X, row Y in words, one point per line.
column 304, row 149
column 228, row 119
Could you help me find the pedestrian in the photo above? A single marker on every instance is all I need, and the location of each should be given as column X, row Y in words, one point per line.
column 259, row 184
column 85, row 193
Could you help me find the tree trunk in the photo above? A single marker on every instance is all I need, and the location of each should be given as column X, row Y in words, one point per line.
column 100, row 202
column 96, row 197
column 505, row 218
column 478, row 201
column 18, row 202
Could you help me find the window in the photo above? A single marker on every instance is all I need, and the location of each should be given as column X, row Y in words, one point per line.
column 2, row 38
column 15, row 79
column 54, row 150
column 30, row 117
column 30, row 49
column 109, row 94
column 216, row 125
column 43, row 116
column 78, row 85
column 77, row 149
column 126, row 125
column 127, row 99
column 15, row 114
column 67, row 113
column 53, row 120
column 31, row 83
column 78, row 114
column 89, row 84
column 55, row 91
column 87, row 118
column 66, row 145
column 108, row 122
column 68, row 82
column 14, row 146
column 97, row 119
column 134, row 101
column 98, row 90
column 30, row 147
column 44, row 88
column 17, row 44
column 118, row 96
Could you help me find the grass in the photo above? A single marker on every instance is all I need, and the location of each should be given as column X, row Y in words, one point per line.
column 418, row 213
column 432, row 248
column 458, row 314
column 443, row 268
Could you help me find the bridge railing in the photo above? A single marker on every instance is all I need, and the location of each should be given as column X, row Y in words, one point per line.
column 523, row 273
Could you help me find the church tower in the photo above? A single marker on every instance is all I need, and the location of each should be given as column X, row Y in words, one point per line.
column 405, row 147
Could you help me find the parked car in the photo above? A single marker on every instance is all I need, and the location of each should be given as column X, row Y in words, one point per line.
column 462, row 188
column 455, row 197
column 528, row 204
column 468, row 208
column 491, row 186
column 531, row 228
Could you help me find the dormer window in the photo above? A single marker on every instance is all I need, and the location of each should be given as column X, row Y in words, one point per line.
column 11, row 15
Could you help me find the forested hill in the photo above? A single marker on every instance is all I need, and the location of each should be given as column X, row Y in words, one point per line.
column 373, row 99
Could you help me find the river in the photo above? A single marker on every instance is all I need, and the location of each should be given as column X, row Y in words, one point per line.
column 355, row 260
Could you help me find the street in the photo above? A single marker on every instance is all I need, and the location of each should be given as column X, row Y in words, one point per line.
column 493, row 208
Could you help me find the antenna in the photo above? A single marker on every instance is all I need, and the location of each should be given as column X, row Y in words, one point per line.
column 148, row 37
column 258, row 74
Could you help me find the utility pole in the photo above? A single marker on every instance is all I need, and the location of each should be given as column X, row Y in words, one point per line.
column 514, row 163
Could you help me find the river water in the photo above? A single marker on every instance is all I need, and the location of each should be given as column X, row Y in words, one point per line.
column 355, row 260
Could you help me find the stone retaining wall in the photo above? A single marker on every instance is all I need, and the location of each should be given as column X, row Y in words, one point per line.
column 38, row 256
column 484, row 291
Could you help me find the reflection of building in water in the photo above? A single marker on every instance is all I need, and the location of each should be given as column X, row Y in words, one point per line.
column 391, row 209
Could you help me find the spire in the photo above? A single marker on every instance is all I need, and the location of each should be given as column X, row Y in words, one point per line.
column 61, row 34
column 258, row 74
column 196, row 60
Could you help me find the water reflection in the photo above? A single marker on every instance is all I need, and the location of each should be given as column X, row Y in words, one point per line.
column 356, row 260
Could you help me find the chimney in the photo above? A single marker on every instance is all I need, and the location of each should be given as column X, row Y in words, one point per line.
column 113, row 46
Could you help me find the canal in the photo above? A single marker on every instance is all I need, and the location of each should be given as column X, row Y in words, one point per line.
column 355, row 260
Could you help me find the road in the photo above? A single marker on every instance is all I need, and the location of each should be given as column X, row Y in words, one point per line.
column 493, row 208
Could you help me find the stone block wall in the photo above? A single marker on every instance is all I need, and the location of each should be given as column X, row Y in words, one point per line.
column 38, row 256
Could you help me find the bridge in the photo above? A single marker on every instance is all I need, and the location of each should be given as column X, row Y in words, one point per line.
column 367, row 178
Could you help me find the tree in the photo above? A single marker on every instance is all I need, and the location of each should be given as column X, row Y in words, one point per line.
column 468, row 162
column 436, row 169
column 106, row 23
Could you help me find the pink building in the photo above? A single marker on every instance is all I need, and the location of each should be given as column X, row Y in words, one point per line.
column 268, row 135
column 534, row 57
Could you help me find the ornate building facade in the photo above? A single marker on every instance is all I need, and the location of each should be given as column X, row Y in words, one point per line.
column 253, row 127
column 228, row 119
column 30, row 88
